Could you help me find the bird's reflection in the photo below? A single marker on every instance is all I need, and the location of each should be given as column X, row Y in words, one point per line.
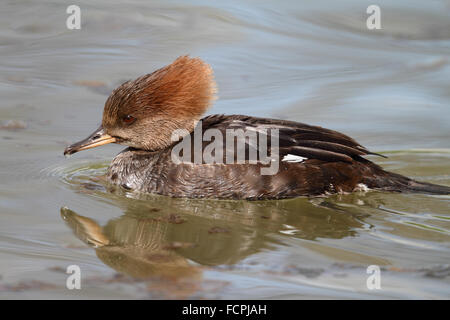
column 133, row 246
column 162, row 237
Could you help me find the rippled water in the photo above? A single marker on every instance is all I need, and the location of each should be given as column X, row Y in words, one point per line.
column 310, row 62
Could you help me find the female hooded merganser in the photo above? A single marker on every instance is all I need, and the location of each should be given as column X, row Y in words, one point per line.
column 308, row 160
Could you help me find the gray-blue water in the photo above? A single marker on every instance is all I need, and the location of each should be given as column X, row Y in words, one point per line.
column 314, row 62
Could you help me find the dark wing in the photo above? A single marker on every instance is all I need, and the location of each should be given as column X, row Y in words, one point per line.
column 298, row 139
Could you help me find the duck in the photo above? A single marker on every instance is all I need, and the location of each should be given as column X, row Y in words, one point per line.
column 173, row 150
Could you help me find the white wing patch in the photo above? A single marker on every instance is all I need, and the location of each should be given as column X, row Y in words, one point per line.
column 293, row 158
column 361, row 187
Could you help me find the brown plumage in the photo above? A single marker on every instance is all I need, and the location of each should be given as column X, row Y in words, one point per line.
column 144, row 113
column 175, row 96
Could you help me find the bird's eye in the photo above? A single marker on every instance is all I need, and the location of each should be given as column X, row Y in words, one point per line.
column 128, row 119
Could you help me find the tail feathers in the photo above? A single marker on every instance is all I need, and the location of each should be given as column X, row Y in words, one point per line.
column 396, row 182
column 424, row 187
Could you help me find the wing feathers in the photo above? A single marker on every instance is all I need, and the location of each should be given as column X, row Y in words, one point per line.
column 296, row 138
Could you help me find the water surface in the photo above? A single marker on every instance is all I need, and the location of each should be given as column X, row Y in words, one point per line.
column 310, row 62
